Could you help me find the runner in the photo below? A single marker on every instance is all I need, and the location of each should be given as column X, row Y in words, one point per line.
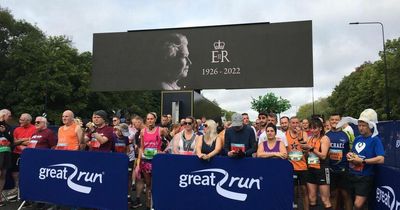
column 318, row 175
column 184, row 142
column 296, row 137
column 272, row 148
column 339, row 165
column 149, row 147
column 367, row 151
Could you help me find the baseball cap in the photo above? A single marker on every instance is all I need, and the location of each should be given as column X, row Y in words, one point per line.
column 237, row 119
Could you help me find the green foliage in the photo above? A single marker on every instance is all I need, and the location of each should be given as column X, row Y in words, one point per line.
column 321, row 107
column 270, row 103
column 365, row 88
column 47, row 74
column 227, row 114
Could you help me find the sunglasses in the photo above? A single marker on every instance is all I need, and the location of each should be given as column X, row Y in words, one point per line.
column 187, row 123
column 205, row 125
column 37, row 122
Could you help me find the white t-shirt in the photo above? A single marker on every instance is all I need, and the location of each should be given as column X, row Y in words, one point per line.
column 280, row 136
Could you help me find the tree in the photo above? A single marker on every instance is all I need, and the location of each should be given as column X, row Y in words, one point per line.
column 321, row 107
column 270, row 103
column 47, row 74
column 365, row 87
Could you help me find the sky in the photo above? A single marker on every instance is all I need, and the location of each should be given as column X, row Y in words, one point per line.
column 338, row 48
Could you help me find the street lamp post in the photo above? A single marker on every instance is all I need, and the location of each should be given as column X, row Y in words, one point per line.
column 387, row 108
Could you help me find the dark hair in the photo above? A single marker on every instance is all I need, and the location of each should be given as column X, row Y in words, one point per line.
column 191, row 118
column 317, row 123
column 262, row 114
column 245, row 114
column 272, row 126
column 280, row 119
column 336, row 114
column 272, row 115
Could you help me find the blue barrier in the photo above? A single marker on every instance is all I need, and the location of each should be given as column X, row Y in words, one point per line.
column 185, row 182
column 79, row 179
column 387, row 191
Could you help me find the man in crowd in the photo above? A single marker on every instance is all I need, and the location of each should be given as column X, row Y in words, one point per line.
column 5, row 149
column 296, row 138
column 246, row 118
column 240, row 139
column 165, row 122
column 367, row 151
column 100, row 135
column 246, row 121
column 22, row 136
column 116, row 121
column 263, row 119
column 70, row 135
column 43, row 136
column 338, row 163
column 284, row 123
column 137, row 123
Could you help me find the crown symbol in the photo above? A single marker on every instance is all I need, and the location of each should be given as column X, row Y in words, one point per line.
column 219, row 45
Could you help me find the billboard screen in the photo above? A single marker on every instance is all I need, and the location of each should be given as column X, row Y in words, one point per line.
column 258, row 55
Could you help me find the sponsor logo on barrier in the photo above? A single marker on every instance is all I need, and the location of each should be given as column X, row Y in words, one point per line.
column 397, row 143
column 62, row 171
column 386, row 196
column 194, row 178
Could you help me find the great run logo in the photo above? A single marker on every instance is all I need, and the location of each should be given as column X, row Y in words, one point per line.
column 386, row 196
column 62, row 172
column 194, row 178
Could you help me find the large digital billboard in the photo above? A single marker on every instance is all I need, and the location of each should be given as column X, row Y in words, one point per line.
column 257, row 55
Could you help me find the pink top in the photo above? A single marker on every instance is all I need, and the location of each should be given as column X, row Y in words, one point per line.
column 152, row 140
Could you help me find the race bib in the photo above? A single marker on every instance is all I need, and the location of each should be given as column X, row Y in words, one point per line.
column 336, row 154
column 312, row 159
column 120, row 147
column 237, row 147
column 4, row 142
column 186, row 153
column 149, row 153
column 359, row 167
column 32, row 143
column 296, row 155
column 61, row 146
column 94, row 144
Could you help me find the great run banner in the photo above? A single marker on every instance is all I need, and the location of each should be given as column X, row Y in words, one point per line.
column 79, row 179
column 255, row 55
column 387, row 191
column 185, row 182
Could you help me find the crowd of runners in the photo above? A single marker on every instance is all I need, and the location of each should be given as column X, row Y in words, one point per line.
column 328, row 160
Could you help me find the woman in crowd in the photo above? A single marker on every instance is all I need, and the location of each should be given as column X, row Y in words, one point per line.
column 318, row 165
column 150, row 145
column 272, row 147
column 209, row 144
column 184, row 142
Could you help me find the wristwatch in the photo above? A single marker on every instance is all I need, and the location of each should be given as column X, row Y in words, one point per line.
column 364, row 162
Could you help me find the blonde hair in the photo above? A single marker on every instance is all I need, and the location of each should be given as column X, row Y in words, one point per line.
column 211, row 132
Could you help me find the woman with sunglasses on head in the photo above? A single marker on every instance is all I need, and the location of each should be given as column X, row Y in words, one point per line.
column 150, row 145
column 184, row 142
column 318, row 176
column 209, row 144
